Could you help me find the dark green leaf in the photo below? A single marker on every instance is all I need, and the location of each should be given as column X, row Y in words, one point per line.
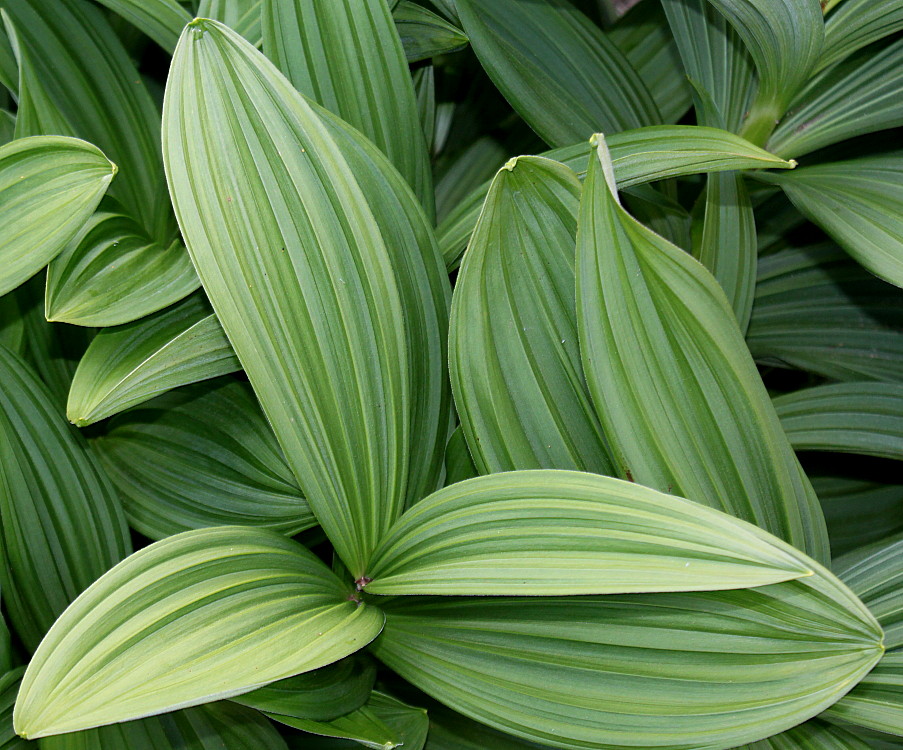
column 161, row 20
column 424, row 34
column 858, row 511
column 458, row 461
column 813, row 735
column 856, row 23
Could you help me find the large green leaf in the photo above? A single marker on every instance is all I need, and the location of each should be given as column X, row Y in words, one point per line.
column 199, row 616
column 678, row 395
column 424, row 34
column 545, row 533
column 856, row 23
column 818, row 310
column 62, row 524
column 49, row 187
column 347, row 56
column 384, row 723
column 9, row 688
column 858, row 511
column 515, row 363
column 321, row 695
column 297, row 271
column 859, row 203
column 161, row 20
column 639, row 156
column 861, row 95
column 244, row 16
column 201, row 456
column 450, row 730
column 556, row 68
column 127, row 365
column 671, row 671
column 864, row 418
column 813, row 735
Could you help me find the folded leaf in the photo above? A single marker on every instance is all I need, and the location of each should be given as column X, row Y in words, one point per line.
column 199, row 616
column 546, row 533
column 161, row 20
column 347, row 56
column 856, row 23
column 127, row 365
column 294, row 264
column 201, row 456
column 670, row 671
column 514, row 357
column 111, row 273
column 859, row 203
column 556, row 68
column 675, row 388
column 62, row 524
column 424, row 34
column 858, row 511
column 813, row 735
column 818, row 310
column 865, row 418
column 321, row 695
column 49, row 187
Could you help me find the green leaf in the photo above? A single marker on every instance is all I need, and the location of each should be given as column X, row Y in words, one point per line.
column 668, row 671
column 813, row 735
column 864, row 418
column 677, row 393
column 111, row 273
column 556, row 68
column 161, row 20
column 424, row 34
column 856, row 23
column 458, row 461
column 450, row 730
column 62, row 524
column 818, row 310
column 215, row 726
column 785, row 39
column 557, row 533
column 347, row 56
column 465, row 172
column 201, row 456
column 877, row 701
column 127, row 365
column 199, row 616
column 49, row 187
column 639, row 156
column 321, row 695
column 383, row 723
column 514, row 358
column 858, row 511
column 311, row 304
column 859, row 203
column 244, row 16
column 9, row 687
column 12, row 325
column 861, row 95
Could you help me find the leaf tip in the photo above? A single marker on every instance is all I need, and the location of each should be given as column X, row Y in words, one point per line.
column 200, row 26
column 511, row 163
column 597, row 140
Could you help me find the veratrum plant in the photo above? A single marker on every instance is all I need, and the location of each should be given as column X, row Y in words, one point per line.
column 459, row 375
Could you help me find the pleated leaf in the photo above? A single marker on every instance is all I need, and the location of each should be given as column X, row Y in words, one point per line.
column 161, row 20
column 858, row 511
column 293, row 262
column 450, row 730
column 556, row 68
column 677, row 393
column 49, row 187
column 862, row 95
column 856, row 23
column 321, row 695
column 859, row 203
column 201, row 456
column 347, row 56
column 545, row 533
column 62, row 524
column 196, row 617
column 639, row 156
column 865, row 418
column 818, row 310
column 128, row 365
column 813, row 735
column 9, row 688
column 514, row 357
column 244, row 16
column 424, row 34
column 714, row 669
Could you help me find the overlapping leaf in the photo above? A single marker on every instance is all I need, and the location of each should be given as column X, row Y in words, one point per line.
column 856, row 23
column 424, row 34
column 678, row 395
column 813, row 735
column 859, row 511
column 9, row 687
column 199, row 616
column 127, row 365
column 161, row 20
column 49, row 187
column 62, row 524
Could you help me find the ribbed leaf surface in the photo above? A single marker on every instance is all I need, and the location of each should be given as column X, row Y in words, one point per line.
column 199, row 616
column 858, row 511
column 49, row 187
column 678, row 395
column 424, row 34
column 9, row 688
column 855, row 23
column 813, row 735
column 161, row 20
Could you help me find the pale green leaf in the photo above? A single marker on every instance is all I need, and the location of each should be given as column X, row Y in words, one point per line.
column 677, row 393
column 556, row 68
column 514, row 357
column 201, row 456
column 424, row 34
column 347, row 56
column 856, row 23
column 199, row 616
column 161, row 20
column 858, row 511
column 49, row 187
column 556, row 533
column 127, row 365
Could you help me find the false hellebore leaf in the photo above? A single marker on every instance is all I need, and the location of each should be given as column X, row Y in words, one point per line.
column 676, row 390
column 49, row 187
column 196, row 617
